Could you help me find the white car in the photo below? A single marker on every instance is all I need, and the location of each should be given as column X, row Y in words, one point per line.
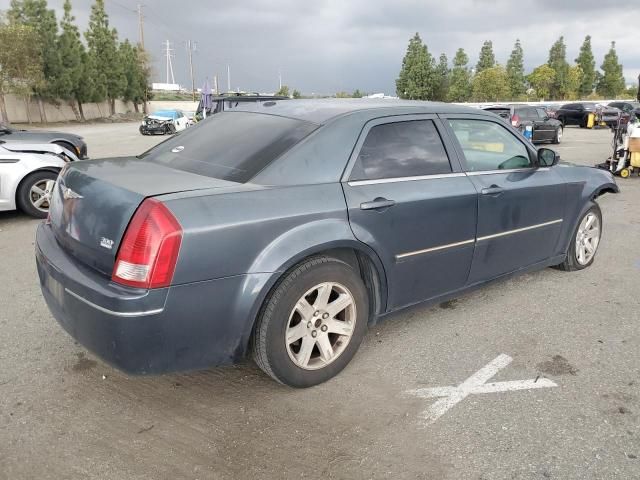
column 164, row 122
column 28, row 173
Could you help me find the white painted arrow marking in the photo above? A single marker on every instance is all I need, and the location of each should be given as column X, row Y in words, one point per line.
column 475, row 384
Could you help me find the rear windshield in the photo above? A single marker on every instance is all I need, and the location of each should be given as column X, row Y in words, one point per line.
column 232, row 146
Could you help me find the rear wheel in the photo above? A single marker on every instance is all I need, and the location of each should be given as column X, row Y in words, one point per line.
column 34, row 193
column 585, row 241
column 312, row 323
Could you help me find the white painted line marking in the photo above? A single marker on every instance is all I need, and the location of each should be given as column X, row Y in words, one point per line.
column 475, row 384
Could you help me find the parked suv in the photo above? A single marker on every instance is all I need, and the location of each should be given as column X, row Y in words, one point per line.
column 545, row 128
column 578, row 114
column 228, row 101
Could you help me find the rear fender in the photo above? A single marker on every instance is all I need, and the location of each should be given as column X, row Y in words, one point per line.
column 291, row 248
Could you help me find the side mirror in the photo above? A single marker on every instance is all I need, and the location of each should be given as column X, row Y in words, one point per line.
column 547, row 157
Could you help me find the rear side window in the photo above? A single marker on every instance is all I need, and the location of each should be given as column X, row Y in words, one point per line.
column 401, row 149
column 230, row 146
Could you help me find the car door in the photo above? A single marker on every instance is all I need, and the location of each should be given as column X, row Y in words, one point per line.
column 520, row 206
column 408, row 200
column 546, row 130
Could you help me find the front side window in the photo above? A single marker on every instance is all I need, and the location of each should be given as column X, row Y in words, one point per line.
column 541, row 113
column 489, row 146
column 401, row 149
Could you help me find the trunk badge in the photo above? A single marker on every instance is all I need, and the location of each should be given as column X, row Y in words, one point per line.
column 106, row 243
column 68, row 194
column 177, row 149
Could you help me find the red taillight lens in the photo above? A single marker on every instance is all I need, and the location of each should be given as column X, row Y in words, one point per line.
column 149, row 250
column 515, row 120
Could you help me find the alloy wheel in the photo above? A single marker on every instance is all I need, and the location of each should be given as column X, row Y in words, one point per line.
column 40, row 194
column 587, row 238
column 320, row 326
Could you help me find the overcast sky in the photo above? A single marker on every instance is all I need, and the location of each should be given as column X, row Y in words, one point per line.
column 325, row 46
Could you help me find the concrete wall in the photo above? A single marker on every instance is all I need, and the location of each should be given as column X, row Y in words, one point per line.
column 17, row 110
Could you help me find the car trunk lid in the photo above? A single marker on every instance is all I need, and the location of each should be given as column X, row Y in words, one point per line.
column 94, row 201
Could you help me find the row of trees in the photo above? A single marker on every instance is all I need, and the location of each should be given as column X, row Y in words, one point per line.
column 422, row 77
column 43, row 58
column 285, row 92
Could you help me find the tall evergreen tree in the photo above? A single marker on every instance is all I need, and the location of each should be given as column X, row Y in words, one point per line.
column 515, row 71
column 558, row 61
column 134, row 62
column 587, row 64
column 442, row 79
column 612, row 83
column 71, row 53
column 417, row 79
column 460, row 79
column 487, row 58
column 110, row 80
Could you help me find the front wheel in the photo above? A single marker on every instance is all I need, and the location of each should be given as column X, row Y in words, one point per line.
column 34, row 194
column 558, row 135
column 585, row 241
column 312, row 323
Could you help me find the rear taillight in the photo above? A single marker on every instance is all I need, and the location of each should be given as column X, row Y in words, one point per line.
column 515, row 120
column 148, row 253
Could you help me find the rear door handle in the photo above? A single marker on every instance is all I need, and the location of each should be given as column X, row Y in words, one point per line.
column 492, row 190
column 377, row 204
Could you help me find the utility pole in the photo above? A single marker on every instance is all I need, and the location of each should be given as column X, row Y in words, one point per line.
column 169, row 54
column 228, row 78
column 191, row 47
column 140, row 26
column 215, row 84
column 280, row 78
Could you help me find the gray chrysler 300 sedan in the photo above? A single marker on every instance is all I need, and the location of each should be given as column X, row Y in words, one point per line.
column 282, row 230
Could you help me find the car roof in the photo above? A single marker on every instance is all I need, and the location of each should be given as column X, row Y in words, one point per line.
column 322, row 111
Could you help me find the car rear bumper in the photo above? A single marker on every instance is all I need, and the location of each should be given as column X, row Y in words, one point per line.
column 183, row 327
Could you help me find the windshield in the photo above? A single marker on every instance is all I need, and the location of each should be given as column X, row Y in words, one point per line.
column 232, row 146
column 165, row 113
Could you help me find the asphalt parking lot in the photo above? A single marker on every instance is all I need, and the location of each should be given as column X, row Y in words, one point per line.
column 66, row 415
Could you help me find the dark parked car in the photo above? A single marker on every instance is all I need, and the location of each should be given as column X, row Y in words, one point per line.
column 545, row 128
column 71, row 142
column 578, row 114
column 228, row 101
column 632, row 108
column 283, row 231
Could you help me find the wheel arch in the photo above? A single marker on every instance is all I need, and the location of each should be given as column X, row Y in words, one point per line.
column 358, row 255
column 55, row 170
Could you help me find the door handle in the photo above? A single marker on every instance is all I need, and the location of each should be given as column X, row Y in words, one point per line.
column 492, row 190
column 377, row 204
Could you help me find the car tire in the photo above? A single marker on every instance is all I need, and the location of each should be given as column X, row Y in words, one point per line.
column 294, row 325
column 142, row 131
column 28, row 194
column 558, row 136
column 573, row 261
